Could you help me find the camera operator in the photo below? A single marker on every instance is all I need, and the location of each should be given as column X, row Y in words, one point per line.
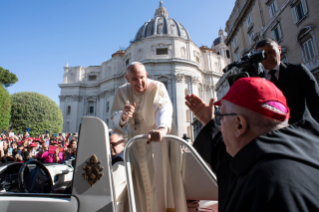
column 261, row 162
column 295, row 81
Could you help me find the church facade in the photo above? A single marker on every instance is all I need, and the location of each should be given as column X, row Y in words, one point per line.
column 166, row 49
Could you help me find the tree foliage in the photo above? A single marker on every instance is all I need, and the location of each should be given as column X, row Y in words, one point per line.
column 7, row 78
column 5, row 108
column 36, row 112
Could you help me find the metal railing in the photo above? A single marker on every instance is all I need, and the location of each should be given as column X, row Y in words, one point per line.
column 128, row 169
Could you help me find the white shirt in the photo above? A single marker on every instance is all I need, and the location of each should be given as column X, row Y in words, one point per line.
column 268, row 76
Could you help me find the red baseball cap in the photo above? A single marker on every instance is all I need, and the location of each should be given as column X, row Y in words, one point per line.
column 33, row 144
column 259, row 95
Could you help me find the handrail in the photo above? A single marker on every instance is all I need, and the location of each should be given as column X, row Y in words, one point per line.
column 128, row 172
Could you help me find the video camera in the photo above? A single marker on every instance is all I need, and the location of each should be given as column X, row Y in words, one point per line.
column 250, row 66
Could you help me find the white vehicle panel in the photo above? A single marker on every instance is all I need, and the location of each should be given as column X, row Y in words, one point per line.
column 38, row 204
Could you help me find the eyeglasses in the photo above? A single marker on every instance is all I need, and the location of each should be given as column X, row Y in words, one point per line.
column 113, row 145
column 219, row 116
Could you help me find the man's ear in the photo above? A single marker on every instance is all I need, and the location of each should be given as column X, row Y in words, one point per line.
column 146, row 74
column 241, row 125
column 127, row 78
column 279, row 48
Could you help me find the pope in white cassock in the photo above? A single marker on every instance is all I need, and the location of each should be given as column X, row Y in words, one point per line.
column 143, row 105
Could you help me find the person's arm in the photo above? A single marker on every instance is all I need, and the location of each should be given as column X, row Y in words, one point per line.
column 210, row 146
column 1, row 152
column 117, row 119
column 311, row 92
column 164, row 117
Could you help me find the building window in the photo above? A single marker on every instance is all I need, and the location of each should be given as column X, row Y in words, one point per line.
column 273, row 8
column 188, row 116
column 276, row 33
column 235, row 42
column 91, row 107
column 227, row 54
column 162, row 51
column 165, row 83
column 251, row 37
column 127, row 62
column 69, row 110
column 197, row 59
column 237, row 56
column 299, row 11
column 189, row 132
column 92, row 78
column 308, row 50
column 248, row 20
column 284, row 58
column 107, row 107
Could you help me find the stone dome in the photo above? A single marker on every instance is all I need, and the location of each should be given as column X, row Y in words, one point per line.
column 217, row 41
column 161, row 24
column 221, row 37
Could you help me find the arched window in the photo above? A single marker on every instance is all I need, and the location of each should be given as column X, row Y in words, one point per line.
column 107, row 107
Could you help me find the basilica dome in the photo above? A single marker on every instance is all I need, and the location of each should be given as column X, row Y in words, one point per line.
column 161, row 24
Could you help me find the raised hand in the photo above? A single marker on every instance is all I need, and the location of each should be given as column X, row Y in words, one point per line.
column 128, row 111
column 203, row 112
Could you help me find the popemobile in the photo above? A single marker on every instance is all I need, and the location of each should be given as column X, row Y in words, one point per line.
column 89, row 187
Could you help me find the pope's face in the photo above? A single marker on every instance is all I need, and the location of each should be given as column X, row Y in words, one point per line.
column 272, row 59
column 137, row 77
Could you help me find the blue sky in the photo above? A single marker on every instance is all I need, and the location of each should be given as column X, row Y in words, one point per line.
column 39, row 36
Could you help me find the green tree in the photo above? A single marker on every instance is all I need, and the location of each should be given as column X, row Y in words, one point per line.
column 7, row 78
column 36, row 112
column 5, row 108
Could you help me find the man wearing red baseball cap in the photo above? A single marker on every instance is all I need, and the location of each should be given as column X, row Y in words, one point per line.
column 262, row 163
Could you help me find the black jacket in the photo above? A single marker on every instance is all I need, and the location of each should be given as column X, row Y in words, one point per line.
column 118, row 157
column 300, row 89
column 278, row 171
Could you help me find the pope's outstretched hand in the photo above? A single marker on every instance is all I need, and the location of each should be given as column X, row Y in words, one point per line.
column 128, row 111
column 202, row 111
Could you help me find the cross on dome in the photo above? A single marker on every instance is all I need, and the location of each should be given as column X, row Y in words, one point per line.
column 161, row 11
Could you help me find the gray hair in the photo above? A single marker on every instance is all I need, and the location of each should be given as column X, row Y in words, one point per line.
column 259, row 122
column 132, row 64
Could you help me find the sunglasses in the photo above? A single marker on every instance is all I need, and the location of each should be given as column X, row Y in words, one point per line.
column 219, row 116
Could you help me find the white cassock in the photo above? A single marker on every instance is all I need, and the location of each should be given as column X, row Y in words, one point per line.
column 158, row 184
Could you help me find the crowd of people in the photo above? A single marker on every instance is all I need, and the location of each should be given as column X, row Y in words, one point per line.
column 57, row 148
